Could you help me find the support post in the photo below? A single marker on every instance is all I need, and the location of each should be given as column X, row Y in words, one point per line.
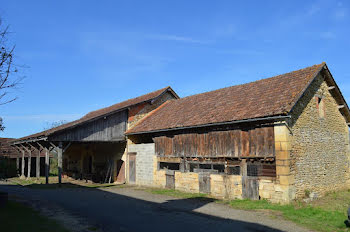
column 29, row 162
column 59, row 157
column 47, row 165
column 23, row 165
column 17, row 166
column 38, row 164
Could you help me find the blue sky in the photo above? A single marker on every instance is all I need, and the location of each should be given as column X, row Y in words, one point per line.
column 85, row 55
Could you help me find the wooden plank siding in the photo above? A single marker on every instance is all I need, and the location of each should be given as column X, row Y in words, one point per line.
column 109, row 128
column 255, row 142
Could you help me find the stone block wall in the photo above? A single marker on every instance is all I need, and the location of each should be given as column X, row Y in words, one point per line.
column 144, row 162
column 320, row 143
column 226, row 186
column 187, row 181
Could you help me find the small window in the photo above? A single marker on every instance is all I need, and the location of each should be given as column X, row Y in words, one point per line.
column 320, row 106
column 193, row 166
column 236, row 170
column 252, row 170
column 169, row 166
column 219, row 167
column 205, row 166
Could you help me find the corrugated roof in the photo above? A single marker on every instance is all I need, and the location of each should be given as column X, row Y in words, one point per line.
column 267, row 97
column 102, row 112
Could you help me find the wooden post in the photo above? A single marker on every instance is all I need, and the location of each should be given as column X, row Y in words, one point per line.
column 23, row 165
column 38, row 164
column 59, row 157
column 17, row 166
column 29, row 162
column 47, row 165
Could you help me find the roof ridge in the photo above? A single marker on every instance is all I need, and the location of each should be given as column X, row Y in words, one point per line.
column 150, row 113
column 127, row 100
column 263, row 79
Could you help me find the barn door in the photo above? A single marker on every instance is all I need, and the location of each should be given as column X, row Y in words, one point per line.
column 250, row 187
column 132, row 167
column 250, row 181
column 204, row 182
column 170, row 179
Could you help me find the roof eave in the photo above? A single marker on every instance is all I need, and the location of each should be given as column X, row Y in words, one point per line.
column 261, row 119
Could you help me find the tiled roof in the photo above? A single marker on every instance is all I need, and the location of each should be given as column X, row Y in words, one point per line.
column 101, row 112
column 267, row 97
column 5, row 149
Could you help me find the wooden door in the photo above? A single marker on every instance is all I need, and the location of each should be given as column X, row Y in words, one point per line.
column 250, row 187
column 170, row 179
column 132, row 167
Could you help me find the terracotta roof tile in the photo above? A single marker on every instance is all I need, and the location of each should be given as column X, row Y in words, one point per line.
column 267, row 97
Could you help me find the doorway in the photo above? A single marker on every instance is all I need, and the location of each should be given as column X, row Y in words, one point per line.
column 132, row 167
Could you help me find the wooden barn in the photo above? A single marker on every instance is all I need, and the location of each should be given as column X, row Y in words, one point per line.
column 94, row 146
column 274, row 139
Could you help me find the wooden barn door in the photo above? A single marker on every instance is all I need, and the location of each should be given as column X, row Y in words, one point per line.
column 132, row 168
column 250, row 182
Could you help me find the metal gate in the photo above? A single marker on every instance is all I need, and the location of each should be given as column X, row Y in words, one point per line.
column 132, row 167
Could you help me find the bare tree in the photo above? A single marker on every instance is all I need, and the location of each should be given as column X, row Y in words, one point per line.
column 54, row 124
column 9, row 79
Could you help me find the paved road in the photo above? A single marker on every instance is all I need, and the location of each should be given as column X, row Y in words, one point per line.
column 128, row 209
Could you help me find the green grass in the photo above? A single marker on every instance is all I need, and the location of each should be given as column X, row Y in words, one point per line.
column 176, row 193
column 18, row 217
column 322, row 215
column 53, row 183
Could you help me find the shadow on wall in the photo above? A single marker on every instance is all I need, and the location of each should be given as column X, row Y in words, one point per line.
column 112, row 211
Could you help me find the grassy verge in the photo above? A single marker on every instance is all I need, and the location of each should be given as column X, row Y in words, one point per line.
column 327, row 214
column 18, row 217
column 40, row 183
column 176, row 193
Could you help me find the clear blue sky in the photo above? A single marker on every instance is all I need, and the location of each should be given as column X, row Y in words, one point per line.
column 85, row 55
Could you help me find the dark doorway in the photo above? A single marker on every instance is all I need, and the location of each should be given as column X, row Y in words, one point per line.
column 120, row 171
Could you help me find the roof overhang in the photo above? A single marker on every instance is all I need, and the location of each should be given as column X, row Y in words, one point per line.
column 337, row 94
column 252, row 120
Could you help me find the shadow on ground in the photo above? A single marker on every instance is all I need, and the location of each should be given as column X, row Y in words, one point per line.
column 112, row 211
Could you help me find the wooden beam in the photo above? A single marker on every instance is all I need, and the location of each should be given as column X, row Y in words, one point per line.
column 331, row 87
column 47, row 165
column 29, row 162
column 37, row 161
column 68, row 145
column 21, row 150
column 59, row 159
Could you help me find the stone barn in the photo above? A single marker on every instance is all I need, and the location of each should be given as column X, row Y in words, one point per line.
column 279, row 139
column 94, row 147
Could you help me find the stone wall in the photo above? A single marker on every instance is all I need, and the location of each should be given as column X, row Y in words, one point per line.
column 187, row 181
column 144, row 162
column 320, row 144
column 226, row 186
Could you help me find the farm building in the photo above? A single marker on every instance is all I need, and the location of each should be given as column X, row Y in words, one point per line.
column 13, row 159
column 277, row 139
column 94, row 146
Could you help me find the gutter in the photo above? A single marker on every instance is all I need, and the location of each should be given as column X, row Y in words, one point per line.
column 215, row 124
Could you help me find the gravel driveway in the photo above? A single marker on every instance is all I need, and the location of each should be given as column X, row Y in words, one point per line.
column 128, row 209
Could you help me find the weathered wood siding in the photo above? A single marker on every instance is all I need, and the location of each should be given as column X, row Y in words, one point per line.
column 256, row 142
column 109, row 128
